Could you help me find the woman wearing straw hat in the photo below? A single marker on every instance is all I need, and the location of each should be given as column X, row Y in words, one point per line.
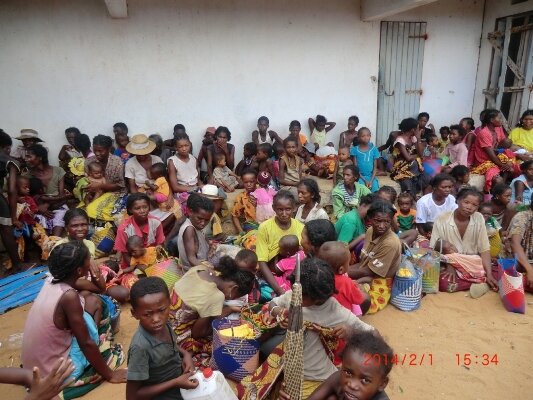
column 137, row 169
column 28, row 137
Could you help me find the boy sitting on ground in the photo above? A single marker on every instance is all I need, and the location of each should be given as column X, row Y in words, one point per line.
column 157, row 367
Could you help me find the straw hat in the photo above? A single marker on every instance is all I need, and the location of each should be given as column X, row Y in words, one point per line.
column 140, row 145
column 29, row 134
column 211, row 192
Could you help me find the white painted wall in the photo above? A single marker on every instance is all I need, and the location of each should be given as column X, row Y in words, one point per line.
column 205, row 62
column 494, row 9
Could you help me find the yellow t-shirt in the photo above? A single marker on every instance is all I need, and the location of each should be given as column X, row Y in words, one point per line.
column 269, row 234
column 522, row 138
column 149, row 258
column 90, row 245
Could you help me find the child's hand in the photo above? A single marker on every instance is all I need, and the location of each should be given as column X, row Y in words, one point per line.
column 119, row 376
column 227, row 310
column 368, row 185
column 185, row 382
column 187, row 362
column 51, row 385
column 141, row 267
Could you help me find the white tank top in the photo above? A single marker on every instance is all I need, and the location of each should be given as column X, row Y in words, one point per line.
column 186, row 172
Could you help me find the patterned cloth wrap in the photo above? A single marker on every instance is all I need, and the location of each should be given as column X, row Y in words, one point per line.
column 104, row 240
column 112, row 354
column 264, row 382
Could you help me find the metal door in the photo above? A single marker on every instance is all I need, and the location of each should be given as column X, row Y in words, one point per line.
column 401, row 57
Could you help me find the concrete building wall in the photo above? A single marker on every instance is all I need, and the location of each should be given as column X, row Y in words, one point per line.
column 204, row 62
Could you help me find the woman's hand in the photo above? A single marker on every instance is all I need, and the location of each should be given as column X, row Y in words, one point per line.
column 529, row 278
column 53, row 384
column 492, row 282
column 119, row 376
column 340, row 331
column 449, row 274
column 507, row 167
column 17, row 224
column 94, row 270
column 223, row 147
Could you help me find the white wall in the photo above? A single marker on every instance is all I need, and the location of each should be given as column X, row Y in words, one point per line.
column 494, row 9
column 205, row 62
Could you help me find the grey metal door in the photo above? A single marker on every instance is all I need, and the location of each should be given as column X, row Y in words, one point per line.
column 401, row 57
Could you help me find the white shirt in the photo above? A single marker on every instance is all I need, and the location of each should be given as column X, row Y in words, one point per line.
column 134, row 170
column 428, row 211
column 315, row 213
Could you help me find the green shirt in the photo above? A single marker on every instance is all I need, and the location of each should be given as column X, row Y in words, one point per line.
column 343, row 201
column 152, row 361
column 349, row 226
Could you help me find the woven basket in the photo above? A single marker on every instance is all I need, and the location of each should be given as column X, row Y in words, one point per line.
column 235, row 357
column 407, row 291
column 166, row 268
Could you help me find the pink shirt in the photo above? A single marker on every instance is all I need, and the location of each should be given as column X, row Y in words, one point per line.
column 483, row 140
column 458, row 154
column 43, row 342
column 287, row 266
column 264, row 196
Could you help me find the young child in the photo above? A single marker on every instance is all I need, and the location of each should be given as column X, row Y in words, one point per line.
column 223, row 176
column 319, row 127
column 501, row 204
column 264, row 196
column 243, row 212
column 95, row 175
column 278, row 151
column 249, row 160
column 342, row 161
column 493, row 229
column 365, row 156
column 444, row 132
column 262, row 134
column 264, row 160
column 423, row 126
column 468, row 125
column 461, row 175
column 358, row 378
column 388, row 193
column 295, row 130
column 290, row 167
column 140, row 257
column 349, row 137
column 26, row 205
column 157, row 366
column 432, row 146
column 318, row 306
column 201, row 160
column 424, row 235
column 522, row 186
column 456, row 150
column 349, row 294
column 121, row 140
column 289, row 249
column 406, row 214
column 193, row 246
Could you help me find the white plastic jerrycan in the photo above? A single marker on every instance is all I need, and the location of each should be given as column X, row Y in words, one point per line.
column 211, row 386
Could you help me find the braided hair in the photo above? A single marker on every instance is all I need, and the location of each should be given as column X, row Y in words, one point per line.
column 65, row 258
column 230, row 271
column 317, row 279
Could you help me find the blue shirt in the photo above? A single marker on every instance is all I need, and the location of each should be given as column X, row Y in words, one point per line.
column 365, row 159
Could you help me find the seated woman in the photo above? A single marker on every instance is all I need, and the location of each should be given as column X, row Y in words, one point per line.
column 103, row 208
column 183, row 171
column 137, row 169
column 380, row 256
column 65, row 323
column 522, row 135
column 464, row 229
column 221, row 145
column 139, row 223
column 52, row 207
column 309, row 199
column 198, row 298
column 347, row 194
column 271, row 231
column 521, row 238
column 102, row 279
column 485, row 160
